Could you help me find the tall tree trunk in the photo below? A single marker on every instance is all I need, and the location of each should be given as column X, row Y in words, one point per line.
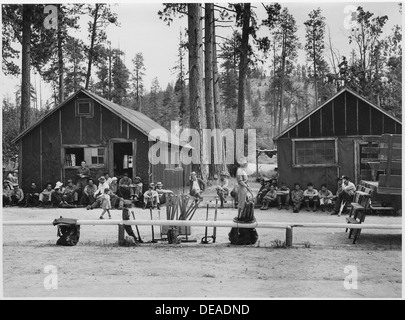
column 196, row 83
column 240, row 121
column 209, row 81
column 60, row 55
column 93, row 38
column 315, row 75
column 25, row 66
column 217, row 97
column 109, row 72
column 283, row 58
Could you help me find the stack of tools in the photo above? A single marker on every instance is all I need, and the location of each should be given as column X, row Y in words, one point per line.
column 179, row 207
column 244, row 236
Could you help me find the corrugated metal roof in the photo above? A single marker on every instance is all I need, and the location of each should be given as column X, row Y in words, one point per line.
column 326, row 102
column 135, row 118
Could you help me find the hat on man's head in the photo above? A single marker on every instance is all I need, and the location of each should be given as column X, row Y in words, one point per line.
column 69, row 181
column 138, row 178
column 101, row 179
column 151, row 185
column 224, row 173
column 114, row 179
column 193, row 173
column 159, row 184
column 58, row 185
column 242, row 160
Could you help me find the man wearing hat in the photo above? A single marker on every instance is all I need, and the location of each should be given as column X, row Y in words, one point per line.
column 222, row 187
column 151, row 198
column 102, row 185
column 83, row 174
column 136, row 189
column 162, row 192
column 6, row 193
column 197, row 186
column 124, row 186
column 17, row 196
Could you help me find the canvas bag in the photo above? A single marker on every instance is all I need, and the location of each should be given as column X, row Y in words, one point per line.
column 68, row 231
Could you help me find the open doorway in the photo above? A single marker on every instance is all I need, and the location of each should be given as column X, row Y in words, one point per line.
column 123, row 159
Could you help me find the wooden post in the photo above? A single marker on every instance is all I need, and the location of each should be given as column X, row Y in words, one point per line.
column 288, row 236
column 121, row 235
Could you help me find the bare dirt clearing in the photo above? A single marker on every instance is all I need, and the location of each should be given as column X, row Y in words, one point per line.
column 96, row 267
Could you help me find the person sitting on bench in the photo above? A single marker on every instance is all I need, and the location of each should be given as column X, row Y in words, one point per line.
column 311, row 196
column 283, row 196
column 325, row 198
column 270, row 199
column 151, row 198
column 345, row 196
column 222, row 187
column 32, row 196
column 197, row 186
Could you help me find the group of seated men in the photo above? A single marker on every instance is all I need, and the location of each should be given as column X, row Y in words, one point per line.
column 85, row 192
column 270, row 195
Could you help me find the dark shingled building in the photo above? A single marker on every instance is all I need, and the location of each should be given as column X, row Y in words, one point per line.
column 335, row 139
column 111, row 138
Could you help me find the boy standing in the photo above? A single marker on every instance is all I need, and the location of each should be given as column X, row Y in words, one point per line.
column 311, row 195
column 297, row 195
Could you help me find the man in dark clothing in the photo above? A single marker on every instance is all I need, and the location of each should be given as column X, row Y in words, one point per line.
column 32, row 196
column 17, row 196
column 6, row 193
column 88, row 193
column 124, row 186
column 83, row 174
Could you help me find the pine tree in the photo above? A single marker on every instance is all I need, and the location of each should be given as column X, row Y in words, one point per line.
column 137, row 76
column 314, row 46
column 120, row 78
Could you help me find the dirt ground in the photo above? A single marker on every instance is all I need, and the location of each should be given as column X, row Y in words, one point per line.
column 97, row 267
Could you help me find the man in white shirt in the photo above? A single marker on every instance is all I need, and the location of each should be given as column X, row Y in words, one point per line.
column 348, row 190
column 101, row 186
column 197, row 186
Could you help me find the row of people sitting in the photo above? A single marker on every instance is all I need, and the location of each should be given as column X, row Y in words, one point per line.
column 270, row 195
column 72, row 196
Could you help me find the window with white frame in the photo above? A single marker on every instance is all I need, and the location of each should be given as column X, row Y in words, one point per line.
column 315, row 152
column 92, row 156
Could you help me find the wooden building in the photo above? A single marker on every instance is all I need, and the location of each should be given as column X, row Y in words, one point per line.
column 109, row 137
column 337, row 138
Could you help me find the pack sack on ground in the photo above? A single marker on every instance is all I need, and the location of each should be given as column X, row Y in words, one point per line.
column 68, row 231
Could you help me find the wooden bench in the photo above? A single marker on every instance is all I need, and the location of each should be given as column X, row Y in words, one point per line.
column 359, row 215
column 377, row 206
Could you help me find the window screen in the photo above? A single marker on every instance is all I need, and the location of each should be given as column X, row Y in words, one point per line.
column 84, row 108
column 315, row 152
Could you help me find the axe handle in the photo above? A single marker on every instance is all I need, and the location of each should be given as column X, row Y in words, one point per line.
column 137, row 230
